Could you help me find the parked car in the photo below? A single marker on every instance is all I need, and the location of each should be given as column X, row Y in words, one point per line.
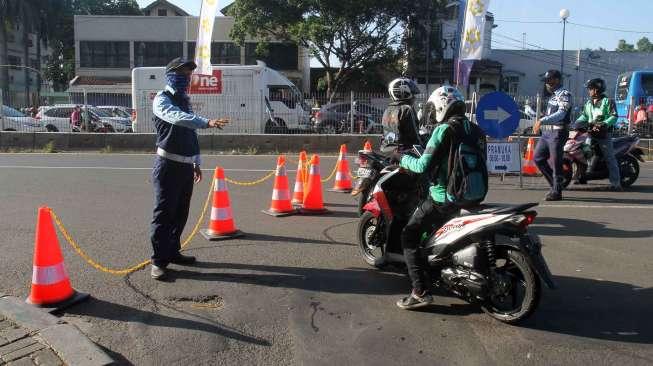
column 58, row 117
column 328, row 119
column 13, row 120
column 116, row 110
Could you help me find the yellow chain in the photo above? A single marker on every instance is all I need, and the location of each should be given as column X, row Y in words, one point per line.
column 126, row 271
column 249, row 184
column 333, row 172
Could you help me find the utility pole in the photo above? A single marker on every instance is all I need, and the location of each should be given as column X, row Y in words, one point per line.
column 523, row 41
column 428, row 48
column 564, row 14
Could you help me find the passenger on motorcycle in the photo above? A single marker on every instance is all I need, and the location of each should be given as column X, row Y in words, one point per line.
column 601, row 114
column 447, row 107
column 400, row 123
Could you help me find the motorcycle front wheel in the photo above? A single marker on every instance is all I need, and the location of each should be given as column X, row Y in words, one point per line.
column 515, row 291
column 370, row 240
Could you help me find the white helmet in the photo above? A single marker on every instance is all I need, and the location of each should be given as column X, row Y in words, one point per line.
column 441, row 101
column 402, row 89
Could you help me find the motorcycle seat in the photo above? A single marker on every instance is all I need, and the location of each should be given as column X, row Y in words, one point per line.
column 496, row 208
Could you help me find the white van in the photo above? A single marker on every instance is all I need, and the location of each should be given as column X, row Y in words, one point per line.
column 256, row 98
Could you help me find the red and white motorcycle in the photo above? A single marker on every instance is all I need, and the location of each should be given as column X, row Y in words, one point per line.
column 485, row 256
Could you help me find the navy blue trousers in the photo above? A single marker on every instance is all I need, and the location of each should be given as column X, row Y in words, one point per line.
column 551, row 147
column 173, row 189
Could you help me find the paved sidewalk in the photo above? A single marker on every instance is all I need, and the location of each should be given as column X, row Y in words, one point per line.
column 29, row 336
column 19, row 347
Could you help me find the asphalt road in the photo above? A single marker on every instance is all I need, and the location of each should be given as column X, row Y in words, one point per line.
column 295, row 291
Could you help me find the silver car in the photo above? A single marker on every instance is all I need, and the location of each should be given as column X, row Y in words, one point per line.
column 13, row 120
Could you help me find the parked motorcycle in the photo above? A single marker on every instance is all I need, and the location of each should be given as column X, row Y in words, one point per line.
column 485, row 256
column 579, row 151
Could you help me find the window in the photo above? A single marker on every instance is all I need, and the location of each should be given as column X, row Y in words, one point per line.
column 513, row 85
column 156, row 53
column 623, row 86
column 14, row 60
column 162, row 12
column 280, row 56
column 221, row 52
column 10, row 112
column 59, row 112
column 283, row 94
column 104, row 54
column 647, row 84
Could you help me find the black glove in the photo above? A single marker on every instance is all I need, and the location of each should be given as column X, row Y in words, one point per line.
column 395, row 158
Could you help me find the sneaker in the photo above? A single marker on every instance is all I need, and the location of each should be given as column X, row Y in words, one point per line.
column 414, row 301
column 158, row 273
column 183, row 259
column 553, row 196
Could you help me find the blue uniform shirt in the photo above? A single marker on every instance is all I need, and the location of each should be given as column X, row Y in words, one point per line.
column 184, row 142
column 558, row 110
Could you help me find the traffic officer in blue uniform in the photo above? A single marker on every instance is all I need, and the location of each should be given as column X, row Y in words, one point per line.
column 555, row 131
column 176, row 166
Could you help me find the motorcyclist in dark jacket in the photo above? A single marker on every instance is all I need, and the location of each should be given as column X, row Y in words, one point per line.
column 400, row 123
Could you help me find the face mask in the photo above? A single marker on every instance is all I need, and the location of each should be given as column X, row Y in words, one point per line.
column 178, row 82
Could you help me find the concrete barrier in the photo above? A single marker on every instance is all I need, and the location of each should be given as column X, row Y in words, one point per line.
column 144, row 142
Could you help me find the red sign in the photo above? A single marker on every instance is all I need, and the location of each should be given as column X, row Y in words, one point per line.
column 206, row 84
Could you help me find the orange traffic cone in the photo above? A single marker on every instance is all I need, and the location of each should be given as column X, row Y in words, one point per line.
column 313, row 204
column 51, row 287
column 528, row 165
column 342, row 183
column 222, row 224
column 300, row 180
column 280, row 205
column 367, row 146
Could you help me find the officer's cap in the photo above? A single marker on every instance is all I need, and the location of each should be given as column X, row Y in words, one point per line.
column 180, row 62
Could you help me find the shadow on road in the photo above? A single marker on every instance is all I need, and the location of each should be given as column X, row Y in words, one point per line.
column 596, row 309
column 112, row 311
column 345, row 214
column 583, row 228
column 341, row 281
column 288, row 239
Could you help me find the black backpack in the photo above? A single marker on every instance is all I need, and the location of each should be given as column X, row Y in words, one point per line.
column 467, row 178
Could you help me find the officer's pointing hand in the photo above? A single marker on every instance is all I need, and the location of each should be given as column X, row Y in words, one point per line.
column 218, row 123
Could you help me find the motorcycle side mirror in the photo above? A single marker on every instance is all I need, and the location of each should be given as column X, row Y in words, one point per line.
column 390, row 137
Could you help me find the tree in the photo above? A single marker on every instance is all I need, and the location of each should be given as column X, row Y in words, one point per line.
column 8, row 11
column 644, row 45
column 624, row 46
column 340, row 35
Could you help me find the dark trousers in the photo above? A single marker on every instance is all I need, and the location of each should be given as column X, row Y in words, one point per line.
column 550, row 146
column 427, row 216
column 173, row 188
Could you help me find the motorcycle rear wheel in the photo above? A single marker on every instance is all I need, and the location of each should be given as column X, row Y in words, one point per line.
column 567, row 172
column 629, row 169
column 513, row 265
column 368, row 233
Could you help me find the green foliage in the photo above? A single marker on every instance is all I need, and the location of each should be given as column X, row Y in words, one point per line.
column 644, row 45
column 345, row 35
column 49, row 147
column 624, row 46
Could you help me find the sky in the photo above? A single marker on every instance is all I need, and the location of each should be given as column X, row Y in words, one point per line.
column 605, row 13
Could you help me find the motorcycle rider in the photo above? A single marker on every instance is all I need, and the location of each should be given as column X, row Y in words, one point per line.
column 601, row 114
column 400, row 117
column 448, row 106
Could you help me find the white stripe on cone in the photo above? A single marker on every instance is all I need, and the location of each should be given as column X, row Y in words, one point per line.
column 299, row 186
column 315, row 170
column 341, row 176
column 49, row 275
column 281, row 171
column 278, row 194
column 221, row 214
column 220, row 185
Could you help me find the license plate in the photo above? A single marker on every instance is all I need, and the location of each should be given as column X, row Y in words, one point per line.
column 364, row 172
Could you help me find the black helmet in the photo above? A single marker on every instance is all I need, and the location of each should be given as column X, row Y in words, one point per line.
column 552, row 74
column 597, row 84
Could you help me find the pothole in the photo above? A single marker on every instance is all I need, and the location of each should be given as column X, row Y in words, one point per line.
column 213, row 302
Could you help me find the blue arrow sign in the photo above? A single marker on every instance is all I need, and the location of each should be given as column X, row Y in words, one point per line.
column 497, row 114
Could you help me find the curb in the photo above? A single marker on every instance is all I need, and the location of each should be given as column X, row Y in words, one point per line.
column 70, row 344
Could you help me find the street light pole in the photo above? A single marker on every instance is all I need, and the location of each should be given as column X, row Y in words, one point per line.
column 564, row 14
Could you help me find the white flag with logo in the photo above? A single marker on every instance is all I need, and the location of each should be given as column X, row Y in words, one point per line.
column 472, row 37
column 204, row 35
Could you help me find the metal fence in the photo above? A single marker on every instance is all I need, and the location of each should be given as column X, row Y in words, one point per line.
column 265, row 113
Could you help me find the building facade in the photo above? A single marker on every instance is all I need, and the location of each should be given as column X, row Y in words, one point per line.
column 107, row 48
column 523, row 69
column 15, row 94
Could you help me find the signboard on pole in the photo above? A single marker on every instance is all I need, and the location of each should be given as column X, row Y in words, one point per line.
column 503, row 157
column 498, row 115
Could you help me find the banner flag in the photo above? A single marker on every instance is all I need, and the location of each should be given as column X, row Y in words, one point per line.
column 204, row 35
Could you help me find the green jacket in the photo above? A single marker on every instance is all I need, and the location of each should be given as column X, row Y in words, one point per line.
column 438, row 147
column 604, row 110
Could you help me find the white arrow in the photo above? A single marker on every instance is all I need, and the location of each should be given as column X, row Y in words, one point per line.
column 498, row 115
